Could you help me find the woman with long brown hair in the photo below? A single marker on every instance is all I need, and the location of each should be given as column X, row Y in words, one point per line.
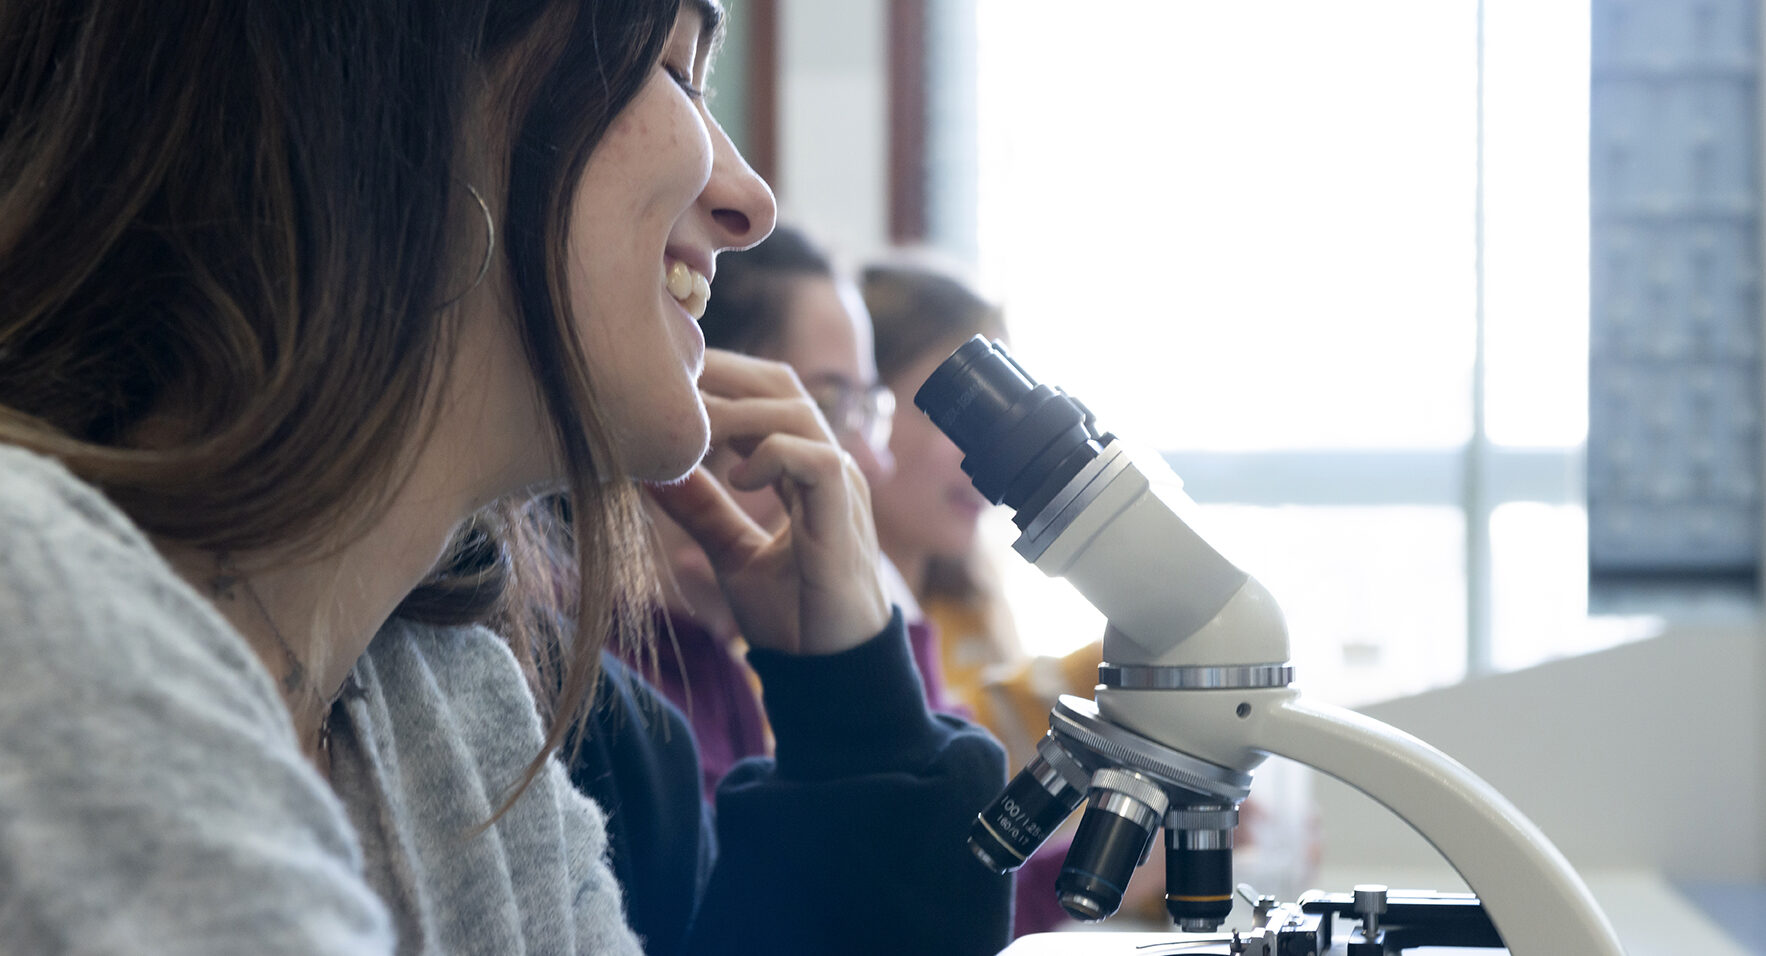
column 300, row 306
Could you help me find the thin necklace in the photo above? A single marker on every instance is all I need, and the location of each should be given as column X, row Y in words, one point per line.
column 294, row 678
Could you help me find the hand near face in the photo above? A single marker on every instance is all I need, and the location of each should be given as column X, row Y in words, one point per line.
column 812, row 584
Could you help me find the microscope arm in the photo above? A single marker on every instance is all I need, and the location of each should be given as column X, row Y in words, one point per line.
column 1131, row 535
column 1538, row 903
column 1196, row 654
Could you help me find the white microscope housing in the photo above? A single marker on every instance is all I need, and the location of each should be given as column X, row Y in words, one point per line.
column 1195, row 690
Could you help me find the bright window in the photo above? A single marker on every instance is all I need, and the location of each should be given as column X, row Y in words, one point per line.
column 1280, row 241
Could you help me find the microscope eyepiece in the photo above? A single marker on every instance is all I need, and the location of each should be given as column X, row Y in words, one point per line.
column 1021, row 441
column 1037, row 450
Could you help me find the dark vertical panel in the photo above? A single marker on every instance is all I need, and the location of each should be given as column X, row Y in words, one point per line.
column 907, row 121
column 763, row 88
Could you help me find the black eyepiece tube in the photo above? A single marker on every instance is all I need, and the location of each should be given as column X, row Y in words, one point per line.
column 970, row 392
column 1021, row 441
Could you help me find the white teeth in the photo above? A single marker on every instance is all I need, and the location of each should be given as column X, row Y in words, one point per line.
column 680, row 280
column 701, row 296
column 689, row 288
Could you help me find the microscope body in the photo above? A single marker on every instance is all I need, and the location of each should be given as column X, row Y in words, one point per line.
column 1196, row 667
column 1195, row 691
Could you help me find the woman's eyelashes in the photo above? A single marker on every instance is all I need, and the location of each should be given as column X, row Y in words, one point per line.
column 684, row 80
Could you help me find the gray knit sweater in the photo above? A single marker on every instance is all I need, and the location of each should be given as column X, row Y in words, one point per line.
column 153, row 799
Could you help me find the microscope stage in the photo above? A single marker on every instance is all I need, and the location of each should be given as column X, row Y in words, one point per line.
column 1084, row 943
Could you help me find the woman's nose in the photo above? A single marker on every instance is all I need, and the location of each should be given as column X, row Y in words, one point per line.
column 742, row 205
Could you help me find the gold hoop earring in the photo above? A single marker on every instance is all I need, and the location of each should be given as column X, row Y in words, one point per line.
column 490, row 246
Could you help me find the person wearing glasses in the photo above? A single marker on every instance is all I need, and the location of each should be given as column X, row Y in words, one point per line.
column 782, row 300
column 683, row 763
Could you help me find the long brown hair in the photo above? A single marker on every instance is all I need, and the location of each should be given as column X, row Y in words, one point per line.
column 235, row 213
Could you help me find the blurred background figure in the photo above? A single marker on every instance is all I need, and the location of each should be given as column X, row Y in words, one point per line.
column 783, row 300
column 928, row 514
column 929, row 519
column 928, row 523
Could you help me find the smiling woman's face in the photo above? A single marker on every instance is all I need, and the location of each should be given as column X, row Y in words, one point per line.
column 663, row 193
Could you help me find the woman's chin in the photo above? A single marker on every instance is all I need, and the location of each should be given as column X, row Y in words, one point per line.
column 692, row 454
column 667, row 451
column 669, row 470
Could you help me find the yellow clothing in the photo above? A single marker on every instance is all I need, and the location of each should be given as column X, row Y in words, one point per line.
column 1007, row 693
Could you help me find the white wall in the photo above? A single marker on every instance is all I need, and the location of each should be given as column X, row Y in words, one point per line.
column 1647, row 755
column 833, row 122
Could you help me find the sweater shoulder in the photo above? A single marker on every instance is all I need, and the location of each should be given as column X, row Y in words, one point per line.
column 82, row 590
column 159, row 777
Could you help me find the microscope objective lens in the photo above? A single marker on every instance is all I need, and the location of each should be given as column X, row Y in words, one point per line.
column 1122, row 815
column 1036, row 801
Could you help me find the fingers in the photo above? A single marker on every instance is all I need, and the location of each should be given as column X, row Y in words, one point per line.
column 742, row 423
column 733, row 375
column 810, row 586
column 748, row 398
column 820, row 479
column 759, row 410
column 706, row 512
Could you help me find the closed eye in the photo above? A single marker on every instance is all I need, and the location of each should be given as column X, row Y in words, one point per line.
column 685, row 82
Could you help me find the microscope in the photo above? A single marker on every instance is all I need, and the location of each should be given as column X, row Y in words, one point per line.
column 1195, row 692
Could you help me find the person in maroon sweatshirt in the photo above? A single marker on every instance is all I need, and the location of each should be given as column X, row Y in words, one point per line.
column 784, row 300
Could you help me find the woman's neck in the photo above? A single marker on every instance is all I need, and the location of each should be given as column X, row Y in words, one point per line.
column 484, row 436
column 310, row 620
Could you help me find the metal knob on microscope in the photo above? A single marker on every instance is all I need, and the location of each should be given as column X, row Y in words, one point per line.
column 1370, row 905
column 1121, row 816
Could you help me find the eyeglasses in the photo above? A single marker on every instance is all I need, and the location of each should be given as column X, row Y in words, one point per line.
column 850, row 410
